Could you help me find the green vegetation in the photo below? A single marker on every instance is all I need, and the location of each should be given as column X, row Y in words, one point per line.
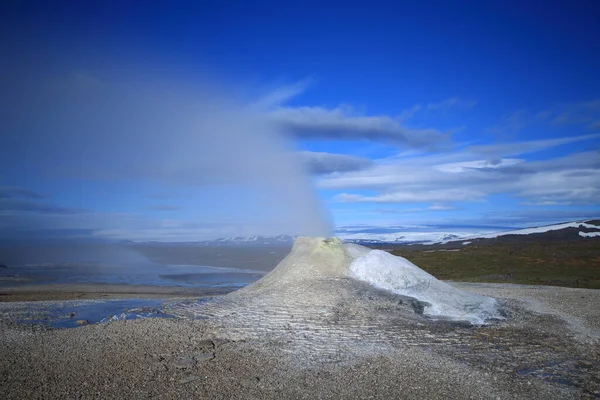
column 572, row 264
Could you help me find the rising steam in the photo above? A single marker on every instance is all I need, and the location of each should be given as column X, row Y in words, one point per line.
column 153, row 132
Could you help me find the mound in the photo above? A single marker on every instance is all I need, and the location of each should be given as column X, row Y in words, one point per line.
column 330, row 276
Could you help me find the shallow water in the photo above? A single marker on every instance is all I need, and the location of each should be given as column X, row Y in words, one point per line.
column 66, row 314
column 152, row 275
column 186, row 265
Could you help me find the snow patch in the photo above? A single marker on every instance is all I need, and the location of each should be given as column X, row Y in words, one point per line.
column 540, row 229
column 466, row 243
column 589, row 234
column 403, row 237
column 398, row 275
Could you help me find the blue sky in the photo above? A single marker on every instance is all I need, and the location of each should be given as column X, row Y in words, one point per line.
column 194, row 120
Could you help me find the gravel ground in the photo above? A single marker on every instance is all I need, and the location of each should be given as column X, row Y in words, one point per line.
column 580, row 308
column 183, row 358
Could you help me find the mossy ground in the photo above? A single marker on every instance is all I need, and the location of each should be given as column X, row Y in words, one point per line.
column 571, row 264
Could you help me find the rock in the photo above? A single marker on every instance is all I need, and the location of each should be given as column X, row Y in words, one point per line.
column 585, row 364
column 206, row 343
column 219, row 342
column 200, row 357
column 82, row 322
column 72, row 315
column 189, row 378
column 184, row 362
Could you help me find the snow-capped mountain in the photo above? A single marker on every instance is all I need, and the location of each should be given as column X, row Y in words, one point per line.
column 581, row 225
column 405, row 238
column 357, row 237
column 576, row 230
column 410, row 234
column 348, row 237
column 406, row 235
column 253, row 240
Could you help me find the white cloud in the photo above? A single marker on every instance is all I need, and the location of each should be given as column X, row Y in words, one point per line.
column 441, row 207
column 519, row 148
column 282, row 94
column 467, row 166
column 572, row 179
column 344, row 123
column 414, row 197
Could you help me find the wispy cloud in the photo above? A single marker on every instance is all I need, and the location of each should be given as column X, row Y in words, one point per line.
column 571, row 179
column 17, row 192
column 433, row 207
column 421, row 196
column 579, row 113
column 282, row 94
column 408, row 113
column 516, row 148
column 20, row 205
column 445, row 106
column 516, row 121
column 441, row 207
column 452, row 103
column 344, row 123
column 584, row 113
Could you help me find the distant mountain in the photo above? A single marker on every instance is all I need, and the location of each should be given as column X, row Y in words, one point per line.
column 573, row 231
column 419, row 235
column 567, row 231
column 432, row 237
column 357, row 238
column 252, row 240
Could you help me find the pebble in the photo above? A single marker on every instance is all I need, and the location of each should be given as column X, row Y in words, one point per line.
column 184, row 362
column 200, row 357
column 189, row 378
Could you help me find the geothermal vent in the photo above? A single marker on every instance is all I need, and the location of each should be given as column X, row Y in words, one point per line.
column 334, row 291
